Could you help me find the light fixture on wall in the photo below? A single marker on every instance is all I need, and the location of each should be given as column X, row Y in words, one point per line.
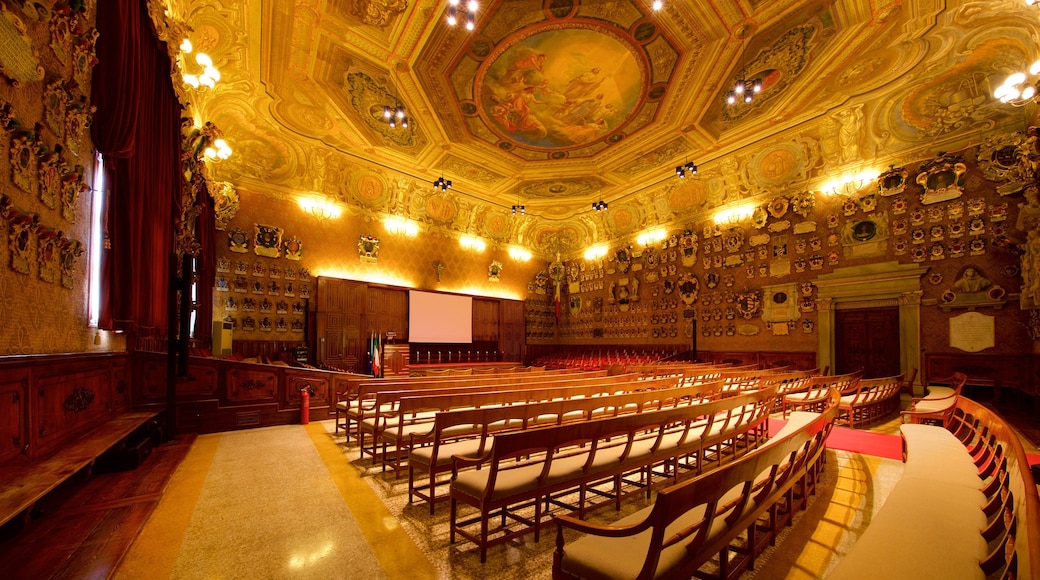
column 400, row 226
column 599, row 205
column 470, row 10
column 395, row 115
column 849, row 183
column 595, row 252
column 744, row 90
column 519, row 253
column 209, row 75
column 733, row 215
column 471, row 242
column 442, row 184
column 1019, row 89
column 652, row 236
column 320, row 207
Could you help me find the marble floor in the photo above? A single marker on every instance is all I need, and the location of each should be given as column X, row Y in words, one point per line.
column 299, row 502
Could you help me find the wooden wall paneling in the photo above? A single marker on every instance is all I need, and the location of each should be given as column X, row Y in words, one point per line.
column 396, row 360
column 485, row 319
column 792, row 360
column 387, row 311
column 201, row 381
column 251, row 385
column 1013, row 371
column 68, row 404
column 149, row 372
column 14, row 428
column 511, row 330
column 296, row 380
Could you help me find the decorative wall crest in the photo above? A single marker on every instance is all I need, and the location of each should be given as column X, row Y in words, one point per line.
column 24, row 168
column 494, row 271
column 52, row 173
column 368, row 249
column 48, row 252
column 293, row 251
column 21, row 228
column 267, row 241
column 72, row 185
column 893, row 181
column 942, row 178
column 1009, row 160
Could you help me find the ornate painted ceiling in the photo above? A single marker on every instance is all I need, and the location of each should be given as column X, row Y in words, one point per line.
column 556, row 104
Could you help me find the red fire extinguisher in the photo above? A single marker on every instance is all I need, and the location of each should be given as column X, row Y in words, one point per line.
column 305, row 403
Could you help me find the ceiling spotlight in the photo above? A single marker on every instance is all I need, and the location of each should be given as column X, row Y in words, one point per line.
column 469, row 9
column 657, row 5
column 442, row 184
column 599, row 205
column 518, row 209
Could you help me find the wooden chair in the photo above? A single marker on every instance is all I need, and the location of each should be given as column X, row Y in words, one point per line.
column 939, row 403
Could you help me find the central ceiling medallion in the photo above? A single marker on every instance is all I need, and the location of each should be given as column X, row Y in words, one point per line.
column 561, row 86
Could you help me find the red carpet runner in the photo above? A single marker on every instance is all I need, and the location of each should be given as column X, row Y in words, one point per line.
column 845, row 439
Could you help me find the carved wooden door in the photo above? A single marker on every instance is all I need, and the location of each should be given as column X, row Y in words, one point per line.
column 867, row 338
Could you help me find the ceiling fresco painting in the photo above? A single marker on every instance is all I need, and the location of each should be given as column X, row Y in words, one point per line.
column 555, row 104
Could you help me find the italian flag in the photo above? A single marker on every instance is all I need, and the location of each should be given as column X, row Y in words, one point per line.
column 375, row 355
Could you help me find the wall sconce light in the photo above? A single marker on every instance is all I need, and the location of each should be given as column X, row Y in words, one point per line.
column 471, row 242
column 401, row 226
column 733, row 215
column 657, row 5
column 218, row 151
column 651, row 237
column 320, row 208
column 595, row 252
column 519, row 253
column 206, row 79
column 599, row 205
column 849, row 183
column 442, row 184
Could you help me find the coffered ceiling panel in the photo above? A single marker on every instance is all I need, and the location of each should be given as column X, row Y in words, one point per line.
column 555, row 104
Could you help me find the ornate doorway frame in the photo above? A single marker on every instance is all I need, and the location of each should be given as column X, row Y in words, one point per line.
column 871, row 286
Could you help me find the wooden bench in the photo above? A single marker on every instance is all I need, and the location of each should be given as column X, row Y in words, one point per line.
column 818, row 392
column 416, row 414
column 359, row 393
column 470, row 432
column 384, row 410
column 26, row 483
column 965, row 507
column 539, row 466
column 727, row 516
column 872, row 400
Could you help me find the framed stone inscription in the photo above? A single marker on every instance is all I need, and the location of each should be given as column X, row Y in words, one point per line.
column 972, row 332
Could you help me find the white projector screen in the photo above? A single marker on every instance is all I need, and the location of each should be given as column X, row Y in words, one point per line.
column 435, row 317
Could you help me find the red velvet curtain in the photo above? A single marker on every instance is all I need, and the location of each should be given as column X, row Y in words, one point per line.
column 137, row 129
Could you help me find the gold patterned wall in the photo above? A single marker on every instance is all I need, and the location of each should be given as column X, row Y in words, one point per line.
column 330, row 247
column 750, row 285
column 47, row 163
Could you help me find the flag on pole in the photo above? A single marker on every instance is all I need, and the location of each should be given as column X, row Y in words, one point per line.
column 375, row 361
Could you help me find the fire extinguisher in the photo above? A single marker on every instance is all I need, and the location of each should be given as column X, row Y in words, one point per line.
column 305, row 403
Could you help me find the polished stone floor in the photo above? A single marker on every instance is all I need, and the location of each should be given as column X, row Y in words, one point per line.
column 299, row 502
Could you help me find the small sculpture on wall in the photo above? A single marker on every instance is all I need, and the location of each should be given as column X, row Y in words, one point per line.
column 970, row 281
column 439, row 267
